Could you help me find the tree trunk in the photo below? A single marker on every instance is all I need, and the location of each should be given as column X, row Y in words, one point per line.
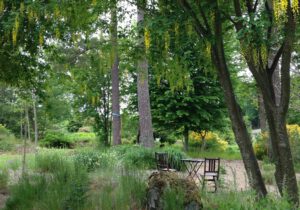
column 116, row 118
column 145, row 118
column 28, row 123
column 238, row 125
column 186, row 138
column 203, row 146
column 36, row 133
column 21, row 126
column 261, row 113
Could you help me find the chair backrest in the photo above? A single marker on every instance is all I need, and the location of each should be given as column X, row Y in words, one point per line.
column 212, row 165
column 161, row 160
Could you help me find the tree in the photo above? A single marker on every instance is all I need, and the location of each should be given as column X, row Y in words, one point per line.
column 116, row 117
column 145, row 119
column 213, row 32
column 253, row 25
column 200, row 109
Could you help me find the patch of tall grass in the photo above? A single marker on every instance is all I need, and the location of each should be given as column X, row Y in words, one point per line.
column 245, row 200
column 60, row 184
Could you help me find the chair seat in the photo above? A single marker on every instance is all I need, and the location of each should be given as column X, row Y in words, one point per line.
column 168, row 169
column 211, row 174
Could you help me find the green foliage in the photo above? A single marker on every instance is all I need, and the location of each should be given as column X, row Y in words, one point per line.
column 94, row 159
column 7, row 140
column 243, row 200
column 61, row 185
column 3, row 178
column 260, row 146
column 173, row 199
column 116, row 189
column 56, row 140
column 261, row 141
column 74, row 126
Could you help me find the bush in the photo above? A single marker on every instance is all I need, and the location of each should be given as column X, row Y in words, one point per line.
column 4, row 132
column 7, row 140
column 56, row 140
column 94, row 159
column 74, row 126
column 260, row 144
column 213, row 141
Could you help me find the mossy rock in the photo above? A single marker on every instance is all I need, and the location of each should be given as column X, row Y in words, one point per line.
column 161, row 181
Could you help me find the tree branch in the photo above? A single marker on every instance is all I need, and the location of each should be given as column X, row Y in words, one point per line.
column 255, row 6
column 200, row 29
column 276, row 60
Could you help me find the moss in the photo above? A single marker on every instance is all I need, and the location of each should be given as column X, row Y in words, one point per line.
column 169, row 180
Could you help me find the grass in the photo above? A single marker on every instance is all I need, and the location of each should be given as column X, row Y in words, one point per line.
column 112, row 178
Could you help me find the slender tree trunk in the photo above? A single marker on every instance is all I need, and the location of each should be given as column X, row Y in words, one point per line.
column 203, row 135
column 28, row 123
column 242, row 136
column 116, row 118
column 145, row 118
column 186, row 138
column 21, row 126
column 36, row 133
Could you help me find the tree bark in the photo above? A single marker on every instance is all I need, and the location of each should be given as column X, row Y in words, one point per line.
column 186, row 138
column 242, row 136
column 116, row 118
column 145, row 118
column 28, row 123
column 36, row 133
column 238, row 125
column 276, row 107
column 261, row 112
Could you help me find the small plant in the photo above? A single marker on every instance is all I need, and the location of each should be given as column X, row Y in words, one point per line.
column 56, row 140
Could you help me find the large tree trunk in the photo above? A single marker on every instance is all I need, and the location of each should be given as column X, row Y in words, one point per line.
column 261, row 112
column 238, row 125
column 277, row 106
column 145, row 118
column 116, row 119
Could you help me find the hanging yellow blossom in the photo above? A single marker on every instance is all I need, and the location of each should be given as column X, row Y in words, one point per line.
column 22, row 8
column 56, row 12
column 30, row 14
column 57, row 33
column 15, row 30
column 147, row 38
column 276, row 8
column 41, row 36
column 94, row 2
column 295, row 6
column 283, row 5
column 189, row 29
column 264, row 55
column 208, row 49
column 1, row 6
column 167, row 41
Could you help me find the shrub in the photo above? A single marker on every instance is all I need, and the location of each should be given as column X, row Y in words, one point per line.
column 74, row 126
column 93, row 159
column 260, row 144
column 56, row 140
column 213, row 141
column 4, row 132
column 7, row 140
